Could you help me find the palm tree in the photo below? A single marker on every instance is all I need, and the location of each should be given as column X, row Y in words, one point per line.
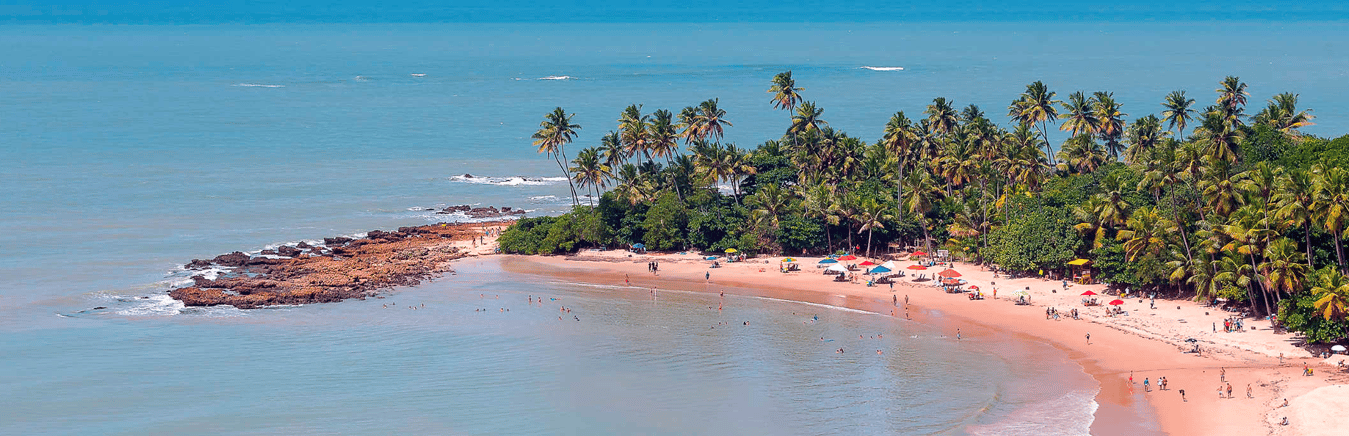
column 1219, row 136
column 1331, row 204
column 1079, row 115
column 1283, row 115
column 589, row 172
column 1332, row 295
column 1294, row 198
column 689, row 126
column 922, row 197
column 871, row 215
column 611, row 150
column 816, row 200
column 1144, row 135
column 633, row 131
column 1082, row 154
column 1283, row 267
column 784, row 90
column 942, row 116
column 807, row 119
column 1232, row 99
column 1178, row 113
column 1145, row 234
column 771, row 202
column 632, row 186
column 898, row 139
column 712, row 120
column 556, row 131
column 1036, row 106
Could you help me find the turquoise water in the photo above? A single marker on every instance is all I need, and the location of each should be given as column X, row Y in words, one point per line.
column 128, row 150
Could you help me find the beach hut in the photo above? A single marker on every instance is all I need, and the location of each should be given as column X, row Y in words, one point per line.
column 1081, row 270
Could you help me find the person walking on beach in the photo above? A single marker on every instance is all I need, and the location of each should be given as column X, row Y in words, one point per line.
column 957, row 334
column 1229, row 390
column 1088, row 338
column 906, row 300
column 1182, row 395
column 1222, row 374
column 707, row 276
column 1145, row 385
column 1249, row 393
column 895, row 298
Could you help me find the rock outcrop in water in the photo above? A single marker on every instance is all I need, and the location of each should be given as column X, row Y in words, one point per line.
column 341, row 268
column 481, row 212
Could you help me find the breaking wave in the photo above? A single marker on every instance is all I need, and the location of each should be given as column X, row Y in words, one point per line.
column 883, row 68
column 508, row 181
column 258, row 85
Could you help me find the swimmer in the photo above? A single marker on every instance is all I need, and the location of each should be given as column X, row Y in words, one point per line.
column 878, row 352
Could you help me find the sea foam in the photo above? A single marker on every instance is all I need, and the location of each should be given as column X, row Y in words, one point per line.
column 508, row 181
column 258, row 85
column 883, row 68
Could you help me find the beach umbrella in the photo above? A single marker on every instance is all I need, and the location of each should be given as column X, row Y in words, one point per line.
column 1079, row 262
column 836, row 268
column 1088, row 294
column 890, row 264
column 879, row 270
column 732, row 250
column 866, row 263
column 639, row 245
column 949, row 273
column 1337, row 348
column 789, row 260
column 974, row 287
column 1116, row 302
column 918, row 254
column 917, row 267
column 848, row 257
column 829, row 261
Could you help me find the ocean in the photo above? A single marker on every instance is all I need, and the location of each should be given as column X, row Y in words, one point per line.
column 127, row 150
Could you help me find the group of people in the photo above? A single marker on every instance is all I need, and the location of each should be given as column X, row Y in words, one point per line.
column 653, row 266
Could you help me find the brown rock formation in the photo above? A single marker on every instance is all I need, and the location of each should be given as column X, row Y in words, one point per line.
column 351, row 268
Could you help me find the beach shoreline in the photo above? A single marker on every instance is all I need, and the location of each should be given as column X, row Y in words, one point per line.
column 1117, row 351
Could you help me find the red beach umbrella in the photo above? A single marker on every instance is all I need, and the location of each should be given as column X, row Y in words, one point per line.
column 866, row 263
column 1088, row 294
column 949, row 273
column 848, row 257
column 918, row 254
column 974, row 287
column 917, row 267
column 1116, row 302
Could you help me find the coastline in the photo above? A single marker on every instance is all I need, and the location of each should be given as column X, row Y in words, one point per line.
column 1118, row 347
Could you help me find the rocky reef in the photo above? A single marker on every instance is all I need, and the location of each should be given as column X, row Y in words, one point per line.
column 336, row 270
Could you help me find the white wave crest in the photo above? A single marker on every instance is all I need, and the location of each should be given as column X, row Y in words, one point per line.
column 508, row 181
column 156, row 305
column 557, row 78
column 258, row 85
column 883, row 68
column 418, row 74
column 1070, row 414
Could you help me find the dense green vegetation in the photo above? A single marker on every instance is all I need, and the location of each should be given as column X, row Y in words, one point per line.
column 1243, row 208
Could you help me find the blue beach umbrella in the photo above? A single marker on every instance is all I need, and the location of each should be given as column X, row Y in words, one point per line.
column 639, row 245
column 828, row 261
column 879, row 270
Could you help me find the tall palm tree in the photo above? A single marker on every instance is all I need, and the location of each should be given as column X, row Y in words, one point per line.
column 784, row 90
column 942, row 116
column 1036, row 107
column 771, row 202
column 1144, row 135
column 712, row 120
column 689, row 126
column 1282, row 114
column 923, row 195
column 634, row 131
column 807, row 119
column 871, row 215
column 1110, row 118
column 1331, row 204
column 1332, row 295
column 1283, row 267
column 1079, row 115
column 1232, row 99
column 555, row 132
column 898, row 138
column 1294, row 198
column 1145, row 234
column 632, row 186
column 1178, row 113
column 589, row 172
column 1219, row 136
column 611, row 150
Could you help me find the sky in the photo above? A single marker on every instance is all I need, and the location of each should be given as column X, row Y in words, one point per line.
column 353, row 11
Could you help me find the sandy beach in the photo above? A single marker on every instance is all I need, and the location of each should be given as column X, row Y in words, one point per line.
column 1143, row 343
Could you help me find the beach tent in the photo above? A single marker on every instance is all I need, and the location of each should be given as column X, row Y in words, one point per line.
column 917, row 267
column 848, row 257
column 1079, row 262
column 836, row 268
column 879, row 270
column 890, row 264
column 949, row 273
column 732, row 250
column 829, row 261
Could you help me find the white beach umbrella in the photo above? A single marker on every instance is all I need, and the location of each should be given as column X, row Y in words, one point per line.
column 837, row 268
column 890, row 265
column 1338, row 348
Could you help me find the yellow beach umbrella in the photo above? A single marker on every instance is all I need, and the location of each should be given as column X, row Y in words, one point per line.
column 789, row 260
column 1079, row 262
column 732, row 250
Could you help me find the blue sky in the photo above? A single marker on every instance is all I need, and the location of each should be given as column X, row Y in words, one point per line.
column 272, row 11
